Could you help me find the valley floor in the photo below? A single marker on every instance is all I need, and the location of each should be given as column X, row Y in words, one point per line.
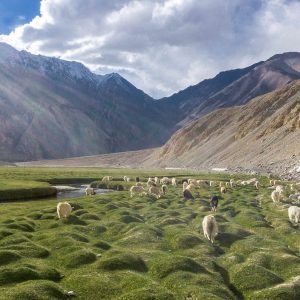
column 116, row 247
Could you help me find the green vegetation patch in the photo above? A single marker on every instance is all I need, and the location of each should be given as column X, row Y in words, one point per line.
column 253, row 277
column 164, row 265
column 123, row 261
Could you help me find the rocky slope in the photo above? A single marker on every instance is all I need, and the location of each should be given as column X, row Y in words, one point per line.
column 262, row 136
column 235, row 87
column 265, row 133
column 50, row 108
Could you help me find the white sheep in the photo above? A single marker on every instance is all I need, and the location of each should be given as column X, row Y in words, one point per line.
column 135, row 189
column 89, row 191
column 165, row 180
column 210, row 227
column 275, row 196
column 150, row 179
column 212, row 183
column 164, row 189
column 173, row 181
column 279, row 188
column 223, row 189
column 126, row 179
column 256, row 184
column 191, row 187
column 151, row 183
column 184, row 186
column 192, row 180
column 294, row 214
column 63, row 209
column 107, row 178
column 156, row 180
column 155, row 191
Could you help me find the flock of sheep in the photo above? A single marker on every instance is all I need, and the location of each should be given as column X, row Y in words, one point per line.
column 158, row 187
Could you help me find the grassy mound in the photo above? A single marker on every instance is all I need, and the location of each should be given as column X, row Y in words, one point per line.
column 117, row 247
column 35, row 290
column 7, row 257
column 253, row 277
column 162, row 266
column 27, row 272
column 123, row 261
column 80, row 257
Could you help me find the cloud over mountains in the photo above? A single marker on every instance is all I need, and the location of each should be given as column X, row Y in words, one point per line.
column 161, row 45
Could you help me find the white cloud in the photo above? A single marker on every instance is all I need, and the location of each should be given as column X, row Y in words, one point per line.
column 162, row 45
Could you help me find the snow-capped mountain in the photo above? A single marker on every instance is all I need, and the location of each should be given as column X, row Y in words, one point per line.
column 51, row 108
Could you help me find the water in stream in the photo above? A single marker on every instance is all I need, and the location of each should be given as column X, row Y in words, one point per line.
column 75, row 191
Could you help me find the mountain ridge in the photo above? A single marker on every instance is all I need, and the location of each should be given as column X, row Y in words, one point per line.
column 46, row 99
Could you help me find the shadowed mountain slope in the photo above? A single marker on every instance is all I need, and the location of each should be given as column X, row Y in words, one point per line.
column 235, row 87
column 51, row 108
column 263, row 132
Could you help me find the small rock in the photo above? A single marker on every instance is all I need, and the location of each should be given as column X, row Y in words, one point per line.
column 69, row 293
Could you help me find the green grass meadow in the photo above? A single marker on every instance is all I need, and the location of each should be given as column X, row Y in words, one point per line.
column 116, row 247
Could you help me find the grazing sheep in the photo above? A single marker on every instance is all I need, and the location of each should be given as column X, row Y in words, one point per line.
column 227, row 184
column 184, row 185
column 188, row 195
column 89, row 191
column 137, row 179
column 214, row 201
column 150, row 179
column 135, row 189
column 294, row 214
column 174, row 182
column 274, row 182
column 155, row 191
column 164, row 189
column 192, row 180
column 256, row 184
column 165, row 180
column 107, row 178
column 151, row 183
column 64, row 209
column 191, row 187
column 275, row 196
column 279, row 188
column 125, row 178
column 223, row 189
column 212, row 183
column 210, row 227
column 156, row 180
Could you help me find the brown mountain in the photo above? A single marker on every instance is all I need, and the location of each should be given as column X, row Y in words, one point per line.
column 235, row 87
column 262, row 133
column 51, row 108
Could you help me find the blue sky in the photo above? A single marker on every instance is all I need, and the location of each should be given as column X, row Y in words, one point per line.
column 17, row 12
column 161, row 46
